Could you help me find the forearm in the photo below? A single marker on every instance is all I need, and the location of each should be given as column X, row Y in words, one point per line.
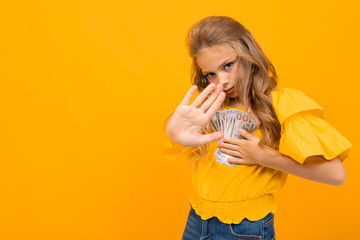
column 314, row 168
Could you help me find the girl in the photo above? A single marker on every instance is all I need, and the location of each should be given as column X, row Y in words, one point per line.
column 230, row 71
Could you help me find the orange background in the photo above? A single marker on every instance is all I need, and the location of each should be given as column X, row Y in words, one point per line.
column 86, row 85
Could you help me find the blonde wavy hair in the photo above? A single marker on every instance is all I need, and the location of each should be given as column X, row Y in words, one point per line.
column 257, row 74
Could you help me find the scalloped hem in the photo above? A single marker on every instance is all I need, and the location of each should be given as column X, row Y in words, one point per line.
column 234, row 212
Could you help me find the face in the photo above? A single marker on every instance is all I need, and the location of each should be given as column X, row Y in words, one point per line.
column 220, row 66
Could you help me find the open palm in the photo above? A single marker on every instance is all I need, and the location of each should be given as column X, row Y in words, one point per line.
column 188, row 121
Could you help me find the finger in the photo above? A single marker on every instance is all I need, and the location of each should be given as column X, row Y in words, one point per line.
column 246, row 134
column 230, row 152
column 239, row 161
column 233, row 141
column 216, row 105
column 189, row 95
column 229, row 146
column 210, row 137
column 203, row 95
column 235, row 160
column 208, row 102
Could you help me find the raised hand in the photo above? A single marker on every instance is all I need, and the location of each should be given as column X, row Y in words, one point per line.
column 188, row 121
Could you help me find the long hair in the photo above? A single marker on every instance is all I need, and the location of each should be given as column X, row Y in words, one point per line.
column 257, row 74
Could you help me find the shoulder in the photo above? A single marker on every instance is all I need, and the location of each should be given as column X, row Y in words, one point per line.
column 289, row 101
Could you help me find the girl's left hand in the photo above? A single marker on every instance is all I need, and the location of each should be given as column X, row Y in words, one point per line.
column 248, row 150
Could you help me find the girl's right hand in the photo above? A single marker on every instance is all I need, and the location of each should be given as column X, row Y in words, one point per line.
column 188, row 121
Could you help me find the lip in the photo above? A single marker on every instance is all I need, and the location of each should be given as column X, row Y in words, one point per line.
column 229, row 91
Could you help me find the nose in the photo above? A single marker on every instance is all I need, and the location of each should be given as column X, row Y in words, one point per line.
column 224, row 79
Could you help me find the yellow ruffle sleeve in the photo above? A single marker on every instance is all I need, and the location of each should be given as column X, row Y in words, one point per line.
column 304, row 131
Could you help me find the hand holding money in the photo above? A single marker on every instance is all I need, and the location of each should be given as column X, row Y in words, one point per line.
column 245, row 151
column 230, row 122
column 188, row 121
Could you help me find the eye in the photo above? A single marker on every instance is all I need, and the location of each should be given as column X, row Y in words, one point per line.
column 228, row 65
column 210, row 75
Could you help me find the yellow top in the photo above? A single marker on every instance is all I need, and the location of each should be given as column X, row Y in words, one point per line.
column 234, row 193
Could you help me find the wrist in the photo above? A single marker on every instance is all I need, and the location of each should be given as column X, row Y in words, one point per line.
column 268, row 157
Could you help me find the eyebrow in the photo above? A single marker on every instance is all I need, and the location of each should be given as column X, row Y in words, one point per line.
column 226, row 61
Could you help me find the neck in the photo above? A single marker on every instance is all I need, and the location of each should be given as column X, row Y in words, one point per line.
column 235, row 103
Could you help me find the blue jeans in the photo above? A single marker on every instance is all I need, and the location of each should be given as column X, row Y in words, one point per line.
column 213, row 229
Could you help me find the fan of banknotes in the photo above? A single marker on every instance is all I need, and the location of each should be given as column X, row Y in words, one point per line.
column 229, row 122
